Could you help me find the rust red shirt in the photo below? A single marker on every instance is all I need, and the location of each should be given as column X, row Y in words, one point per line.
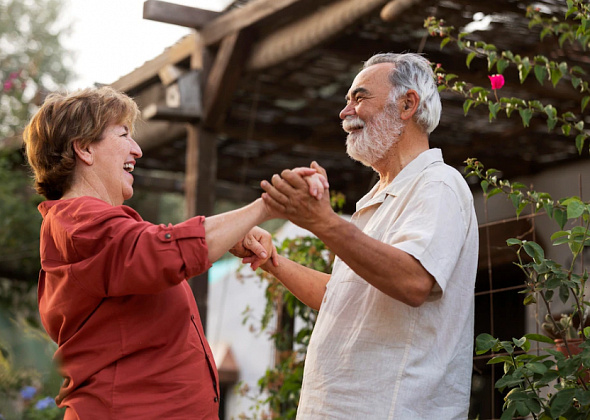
column 113, row 296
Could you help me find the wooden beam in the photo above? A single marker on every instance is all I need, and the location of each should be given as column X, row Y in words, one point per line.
column 223, row 77
column 165, row 113
column 308, row 32
column 201, row 172
column 396, row 8
column 188, row 48
column 223, row 189
column 176, row 14
column 237, row 19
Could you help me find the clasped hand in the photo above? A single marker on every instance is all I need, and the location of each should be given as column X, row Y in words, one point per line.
column 300, row 195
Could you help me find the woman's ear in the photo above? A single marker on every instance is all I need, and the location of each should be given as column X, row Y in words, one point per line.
column 84, row 153
column 410, row 104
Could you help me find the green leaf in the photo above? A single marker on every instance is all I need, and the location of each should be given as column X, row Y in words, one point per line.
column 499, row 359
column 564, row 293
column 508, row 414
column 559, row 234
column 513, row 241
column 580, row 138
column 501, row 65
column 540, row 73
column 493, row 192
column 470, row 57
column 555, row 76
column 560, row 217
column 534, row 250
column 484, row 186
column 562, row 401
column 493, row 107
column 526, row 115
column 466, row 105
column 519, row 342
column 484, row 343
column 585, row 100
column 537, row 367
column 539, row 337
column 575, row 209
column 445, row 42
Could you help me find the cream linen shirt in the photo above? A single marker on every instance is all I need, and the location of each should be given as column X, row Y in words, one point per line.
column 373, row 357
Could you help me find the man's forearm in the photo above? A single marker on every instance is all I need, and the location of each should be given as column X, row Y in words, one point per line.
column 308, row 285
column 391, row 270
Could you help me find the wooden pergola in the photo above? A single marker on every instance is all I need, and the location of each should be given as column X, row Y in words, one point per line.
column 257, row 89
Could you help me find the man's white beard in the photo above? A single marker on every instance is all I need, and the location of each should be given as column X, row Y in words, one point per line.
column 370, row 144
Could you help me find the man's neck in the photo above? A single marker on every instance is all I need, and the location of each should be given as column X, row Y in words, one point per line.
column 398, row 157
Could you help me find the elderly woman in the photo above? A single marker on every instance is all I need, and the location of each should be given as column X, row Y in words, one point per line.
column 112, row 289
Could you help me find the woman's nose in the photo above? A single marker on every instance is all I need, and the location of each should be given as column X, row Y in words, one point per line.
column 135, row 149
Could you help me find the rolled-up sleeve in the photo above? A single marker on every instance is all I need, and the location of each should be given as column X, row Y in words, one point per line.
column 195, row 258
column 111, row 251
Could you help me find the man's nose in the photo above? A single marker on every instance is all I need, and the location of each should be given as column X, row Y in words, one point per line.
column 346, row 111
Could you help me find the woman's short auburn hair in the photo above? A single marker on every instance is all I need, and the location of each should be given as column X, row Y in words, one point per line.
column 64, row 118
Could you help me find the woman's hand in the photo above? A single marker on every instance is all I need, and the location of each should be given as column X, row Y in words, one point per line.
column 256, row 248
column 316, row 181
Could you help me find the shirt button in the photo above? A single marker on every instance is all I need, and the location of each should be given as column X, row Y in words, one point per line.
column 215, row 399
column 168, row 236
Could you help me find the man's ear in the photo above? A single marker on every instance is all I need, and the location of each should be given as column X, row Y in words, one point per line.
column 84, row 153
column 410, row 104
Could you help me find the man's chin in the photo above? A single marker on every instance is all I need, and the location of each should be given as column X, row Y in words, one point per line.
column 351, row 152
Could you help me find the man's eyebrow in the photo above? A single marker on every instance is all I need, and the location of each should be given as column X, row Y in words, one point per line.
column 356, row 92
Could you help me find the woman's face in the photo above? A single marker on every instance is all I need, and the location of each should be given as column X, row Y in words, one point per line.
column 115, row 157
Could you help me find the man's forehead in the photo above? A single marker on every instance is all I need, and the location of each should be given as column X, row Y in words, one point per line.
column 372, row 77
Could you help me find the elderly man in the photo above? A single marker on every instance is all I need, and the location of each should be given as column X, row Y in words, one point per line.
column 393, row 339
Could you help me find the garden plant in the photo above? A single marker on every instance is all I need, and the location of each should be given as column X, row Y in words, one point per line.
column 538, row 381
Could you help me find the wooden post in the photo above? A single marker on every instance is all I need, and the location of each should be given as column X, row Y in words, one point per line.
column 201, row 172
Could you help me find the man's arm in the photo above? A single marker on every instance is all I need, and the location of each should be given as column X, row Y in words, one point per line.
column 306, row 284
column 391, row 270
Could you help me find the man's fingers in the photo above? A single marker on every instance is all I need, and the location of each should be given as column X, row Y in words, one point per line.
column 319, row 169
column 274, row 206
column 273, row 192
column 293, row 179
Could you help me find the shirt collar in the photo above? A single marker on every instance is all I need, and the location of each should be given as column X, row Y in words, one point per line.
column 413, row 169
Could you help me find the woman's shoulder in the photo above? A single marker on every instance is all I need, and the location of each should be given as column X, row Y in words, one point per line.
column 85, row 206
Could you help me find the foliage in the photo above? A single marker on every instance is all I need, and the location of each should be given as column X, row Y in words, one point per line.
column 32, row 59
column 32, row 62
column 280, row 387
column 543, row 383
column 20, row 222
column 576, row 28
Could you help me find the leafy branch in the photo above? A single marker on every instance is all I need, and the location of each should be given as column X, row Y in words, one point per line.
column 542, row 68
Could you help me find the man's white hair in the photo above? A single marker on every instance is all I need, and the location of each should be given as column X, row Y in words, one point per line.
column 413, row 71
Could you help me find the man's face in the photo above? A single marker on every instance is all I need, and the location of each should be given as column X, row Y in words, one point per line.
column 371, row 120
column 370, row 144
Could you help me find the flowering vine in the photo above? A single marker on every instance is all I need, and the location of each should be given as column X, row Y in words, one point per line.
column 543, row 69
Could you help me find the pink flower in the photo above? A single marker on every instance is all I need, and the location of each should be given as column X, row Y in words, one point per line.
column 497, row 81
column 7, row 85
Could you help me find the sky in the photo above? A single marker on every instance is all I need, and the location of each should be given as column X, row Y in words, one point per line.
column 110, row 38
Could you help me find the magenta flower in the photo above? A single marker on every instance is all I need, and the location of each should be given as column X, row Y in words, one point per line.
column 7, row 85
column 497, row 81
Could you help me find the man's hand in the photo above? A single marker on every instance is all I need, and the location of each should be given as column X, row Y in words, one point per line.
column 289, row 197
column 256, row 248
